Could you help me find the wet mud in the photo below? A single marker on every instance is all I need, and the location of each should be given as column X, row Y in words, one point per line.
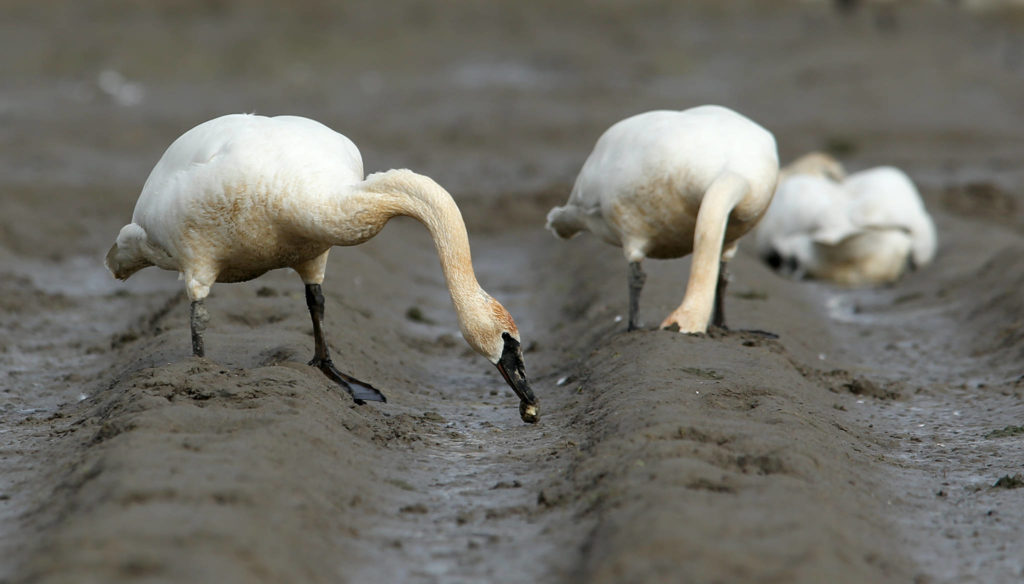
column 873, row 436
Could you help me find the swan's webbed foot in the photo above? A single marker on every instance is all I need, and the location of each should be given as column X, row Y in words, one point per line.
column 360, row 392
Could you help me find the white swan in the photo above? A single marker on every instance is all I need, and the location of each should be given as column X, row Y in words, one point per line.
column 663, row 184
column 240, row 195
column 867, row 228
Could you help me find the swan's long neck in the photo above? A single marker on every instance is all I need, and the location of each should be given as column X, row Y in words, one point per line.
column 403, row 192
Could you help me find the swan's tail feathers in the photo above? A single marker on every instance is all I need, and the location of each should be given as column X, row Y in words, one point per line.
column 565, row 221
column 125, row 256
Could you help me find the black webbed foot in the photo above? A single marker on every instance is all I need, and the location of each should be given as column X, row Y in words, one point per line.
column 360, row 392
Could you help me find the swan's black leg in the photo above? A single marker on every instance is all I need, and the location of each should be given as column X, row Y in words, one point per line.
column 718, row 318
column 637, row 277
column 360, row 392
column 198, row 317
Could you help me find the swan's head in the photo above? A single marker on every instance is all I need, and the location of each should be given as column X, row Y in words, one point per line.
column 490, row 330
column 791, row 256
column 816, row 164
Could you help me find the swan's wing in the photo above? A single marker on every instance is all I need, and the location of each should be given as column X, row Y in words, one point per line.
column 885, row 197
column 174, row 177
column 238, row 155
column 805, row 206
column 321, row 146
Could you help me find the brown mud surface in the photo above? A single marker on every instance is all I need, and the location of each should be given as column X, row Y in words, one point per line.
column 864, row 444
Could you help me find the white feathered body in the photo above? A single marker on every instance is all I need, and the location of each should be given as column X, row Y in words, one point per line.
column 864, row 230
column 240, row 195
column 244, row 194
column 885, row 196
column 643, row 184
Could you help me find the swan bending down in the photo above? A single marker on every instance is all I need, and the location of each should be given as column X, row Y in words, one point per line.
column 866, row 228
column 663, row 184
column 241, row 194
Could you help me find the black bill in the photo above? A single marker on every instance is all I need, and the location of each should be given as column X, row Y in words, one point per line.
column 514, row 372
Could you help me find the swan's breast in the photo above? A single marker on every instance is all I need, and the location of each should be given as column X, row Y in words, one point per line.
column 661, row 210
column 245, row 229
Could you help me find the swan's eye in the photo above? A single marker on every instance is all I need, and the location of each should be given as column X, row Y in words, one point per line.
column 511, row 344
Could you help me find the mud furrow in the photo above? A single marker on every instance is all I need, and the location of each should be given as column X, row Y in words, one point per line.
column 62, row 319
column 265, row 470
column 252, row 445
column 731, row 456
column 658, row 454
column 947, row 344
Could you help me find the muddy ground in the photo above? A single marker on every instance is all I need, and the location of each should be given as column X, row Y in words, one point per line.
column 876, row 440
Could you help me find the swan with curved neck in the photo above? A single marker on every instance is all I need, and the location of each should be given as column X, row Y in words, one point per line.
column 665, row 184
column 240, row 195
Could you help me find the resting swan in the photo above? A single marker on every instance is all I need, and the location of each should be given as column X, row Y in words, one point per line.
column 663, row 184
column 240, row 195
column 866, row 228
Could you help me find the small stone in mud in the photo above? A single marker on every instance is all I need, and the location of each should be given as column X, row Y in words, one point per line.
column 434, row 417
column 866, row 387
column 415, row 314
column 528, row 413
column 418, row 508
column 703, row 373
column 545, row 499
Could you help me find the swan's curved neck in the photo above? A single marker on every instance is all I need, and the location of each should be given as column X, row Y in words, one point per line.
column 403, row 192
